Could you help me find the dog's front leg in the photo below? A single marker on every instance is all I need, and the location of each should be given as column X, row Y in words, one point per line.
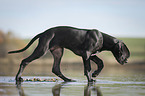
column 99, row 63
column 87, row 69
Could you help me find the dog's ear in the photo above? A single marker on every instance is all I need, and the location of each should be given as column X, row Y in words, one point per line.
column 126, row 50
column 119, row 42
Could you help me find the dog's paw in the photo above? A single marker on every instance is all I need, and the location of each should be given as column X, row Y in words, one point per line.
column 19, row 79
column 73, row 80
column 70, row 80
column 91, row 81
column 94, row 75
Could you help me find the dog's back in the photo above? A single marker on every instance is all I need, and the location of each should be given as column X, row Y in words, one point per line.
column 67, row 37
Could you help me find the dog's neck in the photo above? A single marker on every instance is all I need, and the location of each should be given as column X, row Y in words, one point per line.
column 108, row 42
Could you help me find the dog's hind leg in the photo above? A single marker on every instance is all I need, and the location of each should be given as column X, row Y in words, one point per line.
column 57, row 54
column 40, row 50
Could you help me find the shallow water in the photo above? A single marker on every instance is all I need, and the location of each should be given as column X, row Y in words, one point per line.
column 104, row 86
column 127, row 80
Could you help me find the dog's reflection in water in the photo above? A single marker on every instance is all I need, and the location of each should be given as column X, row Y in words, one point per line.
column 56, row 90
column 20, row 90
column 92, row 88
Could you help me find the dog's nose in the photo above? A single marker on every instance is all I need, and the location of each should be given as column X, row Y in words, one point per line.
column 126, row 61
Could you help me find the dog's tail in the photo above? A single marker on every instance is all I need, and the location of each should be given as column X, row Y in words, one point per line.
column 27, row 46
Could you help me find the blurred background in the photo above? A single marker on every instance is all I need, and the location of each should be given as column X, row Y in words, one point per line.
column 22, row 20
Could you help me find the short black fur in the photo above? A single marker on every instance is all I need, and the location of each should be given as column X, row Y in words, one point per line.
column 83, row 42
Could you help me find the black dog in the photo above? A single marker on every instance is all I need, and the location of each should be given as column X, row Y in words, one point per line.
column 82, row 42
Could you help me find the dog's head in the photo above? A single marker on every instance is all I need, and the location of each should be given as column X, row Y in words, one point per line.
column 120, row 51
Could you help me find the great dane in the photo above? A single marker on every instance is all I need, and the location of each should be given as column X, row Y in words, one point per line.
column 83, row 42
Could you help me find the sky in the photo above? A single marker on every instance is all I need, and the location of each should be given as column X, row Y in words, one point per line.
column 119, row 18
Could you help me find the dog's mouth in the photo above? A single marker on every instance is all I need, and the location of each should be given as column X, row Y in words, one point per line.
column 123, row 61
column 126, row 61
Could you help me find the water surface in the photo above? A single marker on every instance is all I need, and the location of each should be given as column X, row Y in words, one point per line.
column 104, row 86
column 128, row 80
